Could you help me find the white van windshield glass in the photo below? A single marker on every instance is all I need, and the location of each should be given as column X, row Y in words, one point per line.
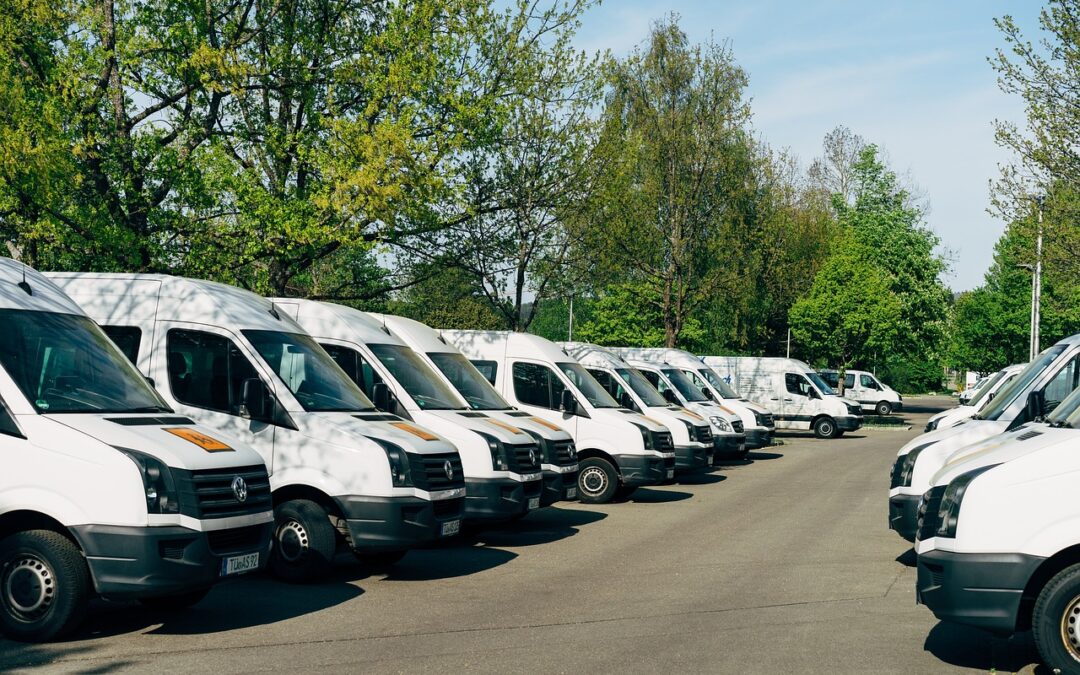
column 820, row 384
column 63, row 363
column 642, row 387
column 1067, row 414
column 985, row 391
column 717, row 382
column 425, row 387
column 1008, row 394
column 592, row 390
column 318, row 384
column 688, row 389
column 468, row 381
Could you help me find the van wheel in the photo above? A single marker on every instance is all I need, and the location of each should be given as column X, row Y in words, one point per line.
column 175, row 602
column 304, row 541
column 1056, row 622
column 379, row 561
column 44, row 585
column 883, row 408
column 825, row 427
column 597, row 481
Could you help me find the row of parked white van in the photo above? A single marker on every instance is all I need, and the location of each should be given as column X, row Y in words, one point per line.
column 988, row 496
column 242, row 432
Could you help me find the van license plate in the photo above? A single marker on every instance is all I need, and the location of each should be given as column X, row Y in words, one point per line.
column 238, row 564
column 671, row 473
column 571, row 493
column 451, row 527
column 534, row 503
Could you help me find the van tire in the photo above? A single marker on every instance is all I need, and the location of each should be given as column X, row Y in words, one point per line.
column 172, row 603
column 598, row 481
column 883, row 408
column 45, row 562
column 1056, row 618
column 304, row 542
column 825, row 427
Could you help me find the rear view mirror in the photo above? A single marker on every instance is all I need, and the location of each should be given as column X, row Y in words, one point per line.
column 1036, row 405
column 567, row 403
column 380, row 396
column 254, row 400
column 669, row 395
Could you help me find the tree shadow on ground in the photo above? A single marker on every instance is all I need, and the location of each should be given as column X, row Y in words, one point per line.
column 969, row 647
column 544, row 526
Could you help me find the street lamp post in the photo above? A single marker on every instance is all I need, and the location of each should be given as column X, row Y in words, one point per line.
column 1036, row 285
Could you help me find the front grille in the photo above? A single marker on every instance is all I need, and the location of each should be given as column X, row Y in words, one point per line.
column 737, row 426
column 173, row 549
column 428, row 472
column 448, row 509
column 897, row 470
column 765, row 420
column 209, row 493
column 523, row 458
column 661, row 441
column 234, row 540
column 702, row 434
column 563, row 456
column 929, row 520
column 937, row 573
column 854, row 409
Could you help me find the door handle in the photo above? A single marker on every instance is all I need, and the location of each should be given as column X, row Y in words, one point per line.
column 788, row 400
column 774, row 399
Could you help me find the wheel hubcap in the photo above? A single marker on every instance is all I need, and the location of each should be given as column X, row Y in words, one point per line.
column 29, row 588
column 292, row 540
column 593, row 481
column 1070, row 628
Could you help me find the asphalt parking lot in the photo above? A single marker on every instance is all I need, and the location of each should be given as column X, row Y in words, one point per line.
column 782, row 563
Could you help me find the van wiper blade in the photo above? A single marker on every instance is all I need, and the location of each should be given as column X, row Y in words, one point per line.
column 150, row 409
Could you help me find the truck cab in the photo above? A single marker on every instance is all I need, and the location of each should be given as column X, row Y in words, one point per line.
column 863, row 386
column 105, row 489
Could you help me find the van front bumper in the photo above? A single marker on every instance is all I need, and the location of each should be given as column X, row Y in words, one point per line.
column 977, row 589
column 904, row 516
column 734, row 446
column 383, row 524
column 849, row 423
column 759, row 438
column 639, row 470
column 559, row 487
column 147, row 562
column 692, row 458
column 499, row 499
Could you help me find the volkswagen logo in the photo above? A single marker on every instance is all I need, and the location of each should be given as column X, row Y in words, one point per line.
column 239, row 488
column 532, row 456
column 449, row 469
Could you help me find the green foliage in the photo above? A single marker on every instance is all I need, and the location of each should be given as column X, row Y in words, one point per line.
column 624, row 315
column 445, row 297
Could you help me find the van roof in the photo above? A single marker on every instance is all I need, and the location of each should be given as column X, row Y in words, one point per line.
column 507, row 344
column 419, row 336
column 594, row 355
column 678, row 358
column 330, row 320
column 119, row 296
column 44, row 295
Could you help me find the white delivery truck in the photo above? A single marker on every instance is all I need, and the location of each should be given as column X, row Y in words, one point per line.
column 501, row 462
column 618, row 449
column 757, row 422
column 872, row 394
column 994, row 383
column 1038, row 389
column 559, row 464
column 999, row 537
column 676, row 387
column 343, row 474
column 689, row 430
column 103, row 488
column 792, row 391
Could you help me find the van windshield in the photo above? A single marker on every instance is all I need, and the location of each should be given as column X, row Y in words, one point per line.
column 1008, row 394
column 64, row 363
column 318, row 384
column 820, row 384
column 642, row 387
column 1067, row 413
column 592, row 390
column 425, row 387
column 688, row 389
column 717, row 382
column 985, row 390
column 476, row 390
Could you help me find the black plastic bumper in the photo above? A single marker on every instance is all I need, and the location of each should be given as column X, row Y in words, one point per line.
column 904, row 516
column 645, row 469
column 849, row 423
column 378, row 524
column 759, row 438
column 730, row 447
column 690, row 458
column 977, row 589
column 559, row 487
column 146, row 562
column 498, row 499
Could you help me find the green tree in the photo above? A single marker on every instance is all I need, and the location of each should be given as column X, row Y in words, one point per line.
column 624, row 315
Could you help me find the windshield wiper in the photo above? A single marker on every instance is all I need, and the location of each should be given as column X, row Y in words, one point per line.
column 149, row 409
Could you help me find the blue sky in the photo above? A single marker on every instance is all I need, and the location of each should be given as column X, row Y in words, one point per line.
column 911, row 77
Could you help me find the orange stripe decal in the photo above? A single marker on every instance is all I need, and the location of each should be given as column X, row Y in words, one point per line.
column 207, row 443
column 415, row 431
column 503, row 425
column 545, row 423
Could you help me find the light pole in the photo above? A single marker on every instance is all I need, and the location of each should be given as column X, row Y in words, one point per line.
column 1036, row 285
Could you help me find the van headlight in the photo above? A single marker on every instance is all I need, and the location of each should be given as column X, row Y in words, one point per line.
column 907, row 467
column 159, row 488
column 720, row 423
column 931, row 425
column 498, row 452
column 949, row 510
column 399, row 463
column 646, row 437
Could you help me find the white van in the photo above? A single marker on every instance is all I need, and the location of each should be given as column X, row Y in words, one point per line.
column 995, row 383
column 103, row 488
column 757, row 422
column 501, row 462
column 559, row 464
column 792, row 390
column 729, row 440
column 690, row 431
column 343, row 474
column 872, row 394
column 618, row 449
column 1043, row 384
column 965, row 397
column 999, row 535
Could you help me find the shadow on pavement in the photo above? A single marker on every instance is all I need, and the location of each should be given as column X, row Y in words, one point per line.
column 539, row 527
column 908, row 558
column 700, row 478
column 653, row 496
column 755, row 455
column 21, row 655
column 973, row 648
column 447, row 561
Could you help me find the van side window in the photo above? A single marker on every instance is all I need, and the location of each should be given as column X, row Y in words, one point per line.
column 537, row 385
column 355, row 366
column 831, row 379
column 207, row 370
column 797, row 384
column 127, row 338
column 849, row 381
column 613, row 386
column 867, row 381
column 1063, row 383
column 654, row 380
column 488, row 369
column 698, row 382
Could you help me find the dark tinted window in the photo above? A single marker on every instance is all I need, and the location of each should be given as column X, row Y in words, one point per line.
column 831, row 379
column 308, row 372
column 867, row 381
column 207, row 370
column 797, row 384
column 613, row 386
column 487, row 369
column 355, row 366
column 537, row 385
column 127, row 338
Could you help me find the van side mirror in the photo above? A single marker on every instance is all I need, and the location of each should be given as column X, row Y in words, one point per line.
column 567, row 403
column 708, row 393
column 1036, row 405
column 812, row 393
column 670, row 397
column 254, row 400
column 380, row 396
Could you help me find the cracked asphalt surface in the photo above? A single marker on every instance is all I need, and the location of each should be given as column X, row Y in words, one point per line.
column 782, row 563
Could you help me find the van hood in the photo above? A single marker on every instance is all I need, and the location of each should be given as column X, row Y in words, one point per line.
column 481, row 422
column 174, row 439
column 746, row 403
column 532, row 424
column 688, row 415
column 955, row 415
column 1003, row 448
column 624, row 415
column 353, row 430
column 939, row 434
